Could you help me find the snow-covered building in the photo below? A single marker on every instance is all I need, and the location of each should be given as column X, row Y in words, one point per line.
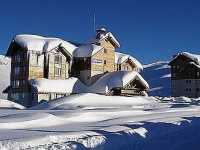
column 37, row 62
column 185, row 75
column 127, row 62
column 96, row 58
column 120, row 83
column 35, row 57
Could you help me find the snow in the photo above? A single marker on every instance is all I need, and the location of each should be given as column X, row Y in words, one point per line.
column 193, row 57
column 87, row 50
column 120, row 58
column 116, row 79
column 158, row 75
column 92, row 121
column 70, row 85
column 11, row 105
column 42, row 44
column 5, row 75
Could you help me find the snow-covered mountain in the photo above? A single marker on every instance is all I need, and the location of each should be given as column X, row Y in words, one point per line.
column 4, row 74
column 158, row 76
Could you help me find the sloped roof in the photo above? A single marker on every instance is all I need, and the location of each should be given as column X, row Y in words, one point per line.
column 87, row 50
column 108, row 36
column 120, row 58
column 70, row 85
column 193, row 57
column 42, row 44
column 116, row 79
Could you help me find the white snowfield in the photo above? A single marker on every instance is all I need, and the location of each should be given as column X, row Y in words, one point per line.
column 91, row 121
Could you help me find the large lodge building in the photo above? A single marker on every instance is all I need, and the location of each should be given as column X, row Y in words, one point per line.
column 185, row 75
column 48, row 68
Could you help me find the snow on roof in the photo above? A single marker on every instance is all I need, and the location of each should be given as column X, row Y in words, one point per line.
column 42, row 44
column 87, row 50
column 193, row 57
column 120, row 58
column 115, row 79
column 70, row 85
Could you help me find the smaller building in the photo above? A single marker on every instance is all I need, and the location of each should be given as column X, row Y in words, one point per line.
column 47, row 89
column 120, row 83
column 185, row 75
column 125, row 62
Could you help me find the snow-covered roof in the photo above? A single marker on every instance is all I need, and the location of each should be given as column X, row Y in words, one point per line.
column 42, row 44
column 193, row 57
column 120, row 58
column 116, row 79
column 70, row 85
column 87, row 50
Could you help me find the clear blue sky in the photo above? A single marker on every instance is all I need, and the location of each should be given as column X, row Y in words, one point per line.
column 150, row 30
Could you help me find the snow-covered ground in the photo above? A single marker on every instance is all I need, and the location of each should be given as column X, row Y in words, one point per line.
column 158, row 76
column 91, row 121
column 4, row 74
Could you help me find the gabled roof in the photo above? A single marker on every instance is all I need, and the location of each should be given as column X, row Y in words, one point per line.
column 193, row 57
column 87, row 50
column 106, row 35
column 41, row 44
column 117, row 79
column 70, row 85
column 120, row 58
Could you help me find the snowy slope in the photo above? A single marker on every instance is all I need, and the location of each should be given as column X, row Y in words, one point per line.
column 91, row 121
column 158, row 77
column 4, row 74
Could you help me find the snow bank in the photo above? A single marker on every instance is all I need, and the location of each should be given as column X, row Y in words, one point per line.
column 120, row 58
column 5, row 75
column 42, row 44
column 70, row 85
column 115, row 79
column 6, row 104
column 89, row 100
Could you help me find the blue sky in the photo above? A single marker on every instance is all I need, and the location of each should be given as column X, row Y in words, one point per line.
column 150, row 30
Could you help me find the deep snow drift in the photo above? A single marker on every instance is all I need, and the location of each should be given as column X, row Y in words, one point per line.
column 158, row 76
column 5, row 75
column 91, row 121
column 6, row 104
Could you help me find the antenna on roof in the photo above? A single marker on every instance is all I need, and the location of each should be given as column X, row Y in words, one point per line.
column 94, row 22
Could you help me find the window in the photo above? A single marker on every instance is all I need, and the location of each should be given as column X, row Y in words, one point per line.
column 17, row 70
column 127, row 68
column 58, row 59
column 35, row 59
column 105, row 50
column 198, row 74
column 57, row 71
column 197, row 89
column 104, row 62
